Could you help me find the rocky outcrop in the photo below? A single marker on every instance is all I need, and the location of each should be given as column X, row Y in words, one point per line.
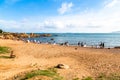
column 20, row 35
column 8, row 35
column 45, row 35
column 14, row 35
column 32, row 35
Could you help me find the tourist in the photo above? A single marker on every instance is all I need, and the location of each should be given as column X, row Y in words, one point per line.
column 82, row 44
column 79, row 43
column 54, row 43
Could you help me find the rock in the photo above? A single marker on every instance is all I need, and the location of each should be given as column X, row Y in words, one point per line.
column 75, row 48
column 9, row 36
column 62, row 66
column 46, row 35
column 32, row 35
column 18, row 36
column 52, row 39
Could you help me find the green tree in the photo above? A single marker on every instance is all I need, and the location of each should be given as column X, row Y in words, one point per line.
column 1, row 31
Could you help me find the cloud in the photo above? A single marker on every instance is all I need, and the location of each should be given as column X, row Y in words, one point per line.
column 65, row 7
column 106, row 19
column 20, row 26
column 112, row 3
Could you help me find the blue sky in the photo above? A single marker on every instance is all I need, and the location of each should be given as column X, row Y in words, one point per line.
column 60, row 15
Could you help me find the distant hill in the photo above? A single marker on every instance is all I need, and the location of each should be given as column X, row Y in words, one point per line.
column 116, row 32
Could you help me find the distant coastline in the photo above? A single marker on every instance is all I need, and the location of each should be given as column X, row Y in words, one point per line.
column 116, row 32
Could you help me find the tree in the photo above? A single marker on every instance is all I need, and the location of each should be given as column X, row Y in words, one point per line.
column 1, row 31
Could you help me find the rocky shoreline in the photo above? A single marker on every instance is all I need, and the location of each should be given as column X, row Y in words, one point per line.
column 8, row 35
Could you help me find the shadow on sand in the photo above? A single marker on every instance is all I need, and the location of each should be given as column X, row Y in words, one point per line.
column 5, row 57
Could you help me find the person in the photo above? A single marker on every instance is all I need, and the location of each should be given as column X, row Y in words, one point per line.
column 82, row 44
column 66, row 43
column 54, row 43
column 62, row 44
column 35, row 41
column 100, row 45
column 38, row 42
column 103, row 45
column 79, row 43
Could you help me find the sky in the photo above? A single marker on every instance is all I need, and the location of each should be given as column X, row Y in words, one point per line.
column 60, row 16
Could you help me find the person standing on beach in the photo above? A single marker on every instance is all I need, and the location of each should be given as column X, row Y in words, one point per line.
column 66, row 43
column 82, row 44
column 54, row 43
column 103, row 45
column 79, row 43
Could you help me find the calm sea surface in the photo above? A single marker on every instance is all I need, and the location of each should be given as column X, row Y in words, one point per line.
column 110, row 39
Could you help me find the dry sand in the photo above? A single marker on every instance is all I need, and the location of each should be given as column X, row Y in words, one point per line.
column 82, row 62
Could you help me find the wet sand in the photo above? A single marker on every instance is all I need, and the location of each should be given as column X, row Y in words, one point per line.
column 82, row 61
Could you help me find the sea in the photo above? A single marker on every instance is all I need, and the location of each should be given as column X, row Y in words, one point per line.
column 90, row 39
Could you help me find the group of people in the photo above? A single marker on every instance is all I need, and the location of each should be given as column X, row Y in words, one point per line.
column 39, row 42
column 33, row 41
column 102, row 45
column 65, row 43
column 81, row 44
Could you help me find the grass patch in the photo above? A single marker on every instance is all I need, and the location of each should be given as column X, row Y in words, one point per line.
column 76, row 79
column 87, row 78
column 51, row 72
column 4, row 50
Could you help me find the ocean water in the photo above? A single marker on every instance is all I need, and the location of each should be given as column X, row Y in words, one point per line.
column 110, row 39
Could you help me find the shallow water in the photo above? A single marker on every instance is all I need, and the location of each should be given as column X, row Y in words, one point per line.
column 110, row 39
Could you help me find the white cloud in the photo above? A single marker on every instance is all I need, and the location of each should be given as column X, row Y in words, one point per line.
column 112, row 3
column 65, row 7
column 20, row 26
column 106, row 19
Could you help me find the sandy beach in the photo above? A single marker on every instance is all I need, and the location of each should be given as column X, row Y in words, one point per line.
column 82, row 62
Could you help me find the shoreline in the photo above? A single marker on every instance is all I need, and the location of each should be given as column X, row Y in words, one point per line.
column 68, row 45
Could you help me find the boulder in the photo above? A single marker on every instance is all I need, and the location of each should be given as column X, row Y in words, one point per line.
column 32, row 35
column 62, row 66
column 9, row 36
